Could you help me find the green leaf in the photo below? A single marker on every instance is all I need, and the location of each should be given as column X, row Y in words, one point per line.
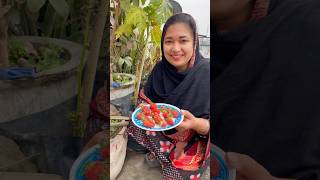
column 61, row 7
column 128, row 61
column 136, row 17
column 164, row 11
column 136, row 2
column 143, row 2
column 123, row 29
column 120, row 62
column 35, row 5
column 156, row 34
column 125, row 5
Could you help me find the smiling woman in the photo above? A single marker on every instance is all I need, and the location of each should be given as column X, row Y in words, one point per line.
column 178, row 79
column 178, row 45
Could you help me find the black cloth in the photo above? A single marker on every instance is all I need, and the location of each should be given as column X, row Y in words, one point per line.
column 266, row 89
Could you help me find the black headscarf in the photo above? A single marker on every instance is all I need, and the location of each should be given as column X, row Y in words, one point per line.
column 190, row 89
column 267, row 90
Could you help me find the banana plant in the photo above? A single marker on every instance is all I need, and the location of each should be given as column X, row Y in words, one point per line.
column 51, row 18
column 136, row 32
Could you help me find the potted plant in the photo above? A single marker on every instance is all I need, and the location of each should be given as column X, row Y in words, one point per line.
column 55, row 60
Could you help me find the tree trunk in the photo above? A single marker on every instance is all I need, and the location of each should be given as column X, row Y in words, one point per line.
column 4, row 59
column 96, row 33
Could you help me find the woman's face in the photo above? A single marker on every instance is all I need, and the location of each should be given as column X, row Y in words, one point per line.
column 178, row 45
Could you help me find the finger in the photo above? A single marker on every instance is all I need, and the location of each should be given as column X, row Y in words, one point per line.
column 246, row 166
column 187, row 114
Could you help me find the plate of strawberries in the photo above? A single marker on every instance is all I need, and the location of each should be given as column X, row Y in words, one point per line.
column 92, row 164
column 157, row 117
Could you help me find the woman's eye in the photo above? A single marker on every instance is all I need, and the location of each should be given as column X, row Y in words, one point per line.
column 184, row 40
column 168, row 42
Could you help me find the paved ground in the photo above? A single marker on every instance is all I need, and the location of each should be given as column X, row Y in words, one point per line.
column 136, row 169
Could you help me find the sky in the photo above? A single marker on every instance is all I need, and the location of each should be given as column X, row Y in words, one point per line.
column 200, row 10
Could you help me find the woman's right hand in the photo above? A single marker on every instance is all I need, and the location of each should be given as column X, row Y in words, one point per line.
column 189, row 121
column 199, row 125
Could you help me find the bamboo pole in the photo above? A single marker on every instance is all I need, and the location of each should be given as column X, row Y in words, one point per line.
column 99, row 22
column 139, row 74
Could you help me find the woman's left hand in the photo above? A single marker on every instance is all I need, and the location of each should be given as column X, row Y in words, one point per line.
column 189, row 121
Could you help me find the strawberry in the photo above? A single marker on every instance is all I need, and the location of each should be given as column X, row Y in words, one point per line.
column 146, row 110
column 148, row 123
column 175, row 113
column 140, row 115
column 170, row 121
column 157, row 119
column 165, row 114
column 154, row 108
column 163, row 109
column 163, row 123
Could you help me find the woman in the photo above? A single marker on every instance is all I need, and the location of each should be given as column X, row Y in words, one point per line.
column 181, row 78
column 266, row 91
column 99, row 116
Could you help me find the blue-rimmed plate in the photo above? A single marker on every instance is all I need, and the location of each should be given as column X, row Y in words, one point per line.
column 79, row 166
column 139, row 123
column 224, row 173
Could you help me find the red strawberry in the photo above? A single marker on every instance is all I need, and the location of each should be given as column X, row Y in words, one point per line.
column 146, row 110
column 140, row 116
column 163, row 109
column 163, row 123
column 175, row 113
column 156, row 111
column 157, row 119
column 154, row 108
column 148, row 123
column 165, row 114
column 170, row 121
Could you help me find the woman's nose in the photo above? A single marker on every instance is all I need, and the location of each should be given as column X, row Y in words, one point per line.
column 176, row 47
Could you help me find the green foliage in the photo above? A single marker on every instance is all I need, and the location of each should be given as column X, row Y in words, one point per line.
column 16, row 51
column 125, row 63
column 135, row 18
column 121, row 78
column 51, row 18
column 132, row 25
column 50, row 57
column 45, row 57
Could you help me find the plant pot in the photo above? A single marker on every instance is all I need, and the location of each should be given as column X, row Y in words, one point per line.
column 22, row 97
column 121, row 96
column 125, row 89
